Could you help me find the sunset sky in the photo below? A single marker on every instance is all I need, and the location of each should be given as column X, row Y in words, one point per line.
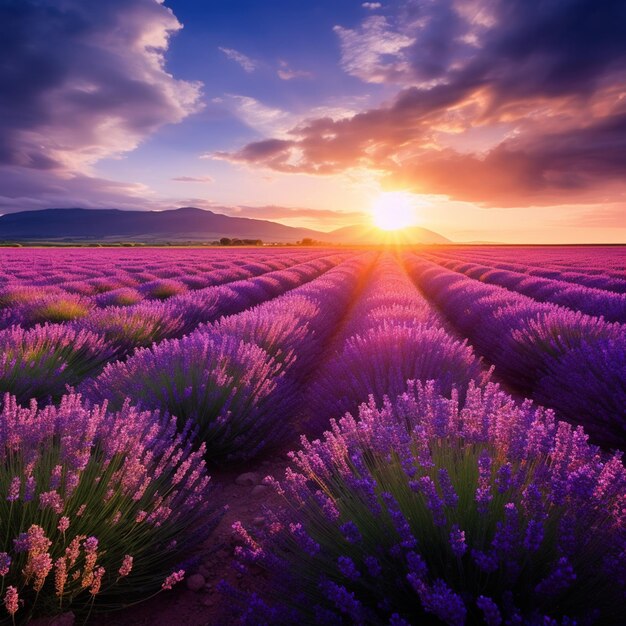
column 505, row 120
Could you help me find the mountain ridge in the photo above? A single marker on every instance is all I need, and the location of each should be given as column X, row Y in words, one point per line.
column 180, row 224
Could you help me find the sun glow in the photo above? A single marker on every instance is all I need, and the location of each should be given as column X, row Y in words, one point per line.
column 394, row 210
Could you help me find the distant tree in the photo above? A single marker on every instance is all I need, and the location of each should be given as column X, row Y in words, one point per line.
column 307, row 241
column 226, row 241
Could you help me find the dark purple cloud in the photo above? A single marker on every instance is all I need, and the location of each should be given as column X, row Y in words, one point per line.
column 82, row 80
column 550, row 76
column 23, row 189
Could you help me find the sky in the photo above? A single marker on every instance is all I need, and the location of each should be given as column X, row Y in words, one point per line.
column 498, row 120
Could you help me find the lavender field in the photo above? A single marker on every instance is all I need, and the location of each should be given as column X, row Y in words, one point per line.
column 456, row 417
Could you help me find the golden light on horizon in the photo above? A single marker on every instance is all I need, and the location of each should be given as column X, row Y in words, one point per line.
column 394, row 210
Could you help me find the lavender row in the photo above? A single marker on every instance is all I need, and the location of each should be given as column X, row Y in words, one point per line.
column 321, row 305
column 97, row 271
column 563, row 359
column 392, row 335
column 74, row 275
column 597, row 302
column 42, row 361
column 588, row 260
column 146, row 323
column 29, row 304
column 237, row 380
column 599, row 280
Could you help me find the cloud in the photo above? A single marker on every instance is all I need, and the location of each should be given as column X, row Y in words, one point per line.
column 247, row 64
column 288, row 74
column 273, row 153
column 576, row 167
column 20, row 191
column 85, row 83
column 605, row 216
column 496, row 104
column 269, row 120
column 258, row 116
column 275, row 212
column 82, row 82
column 194, row 179
column 374, row 52
column 372, row 6
column 285, row 72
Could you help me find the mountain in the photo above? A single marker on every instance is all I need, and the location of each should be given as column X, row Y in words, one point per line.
column 184, row 224
column 361, row 234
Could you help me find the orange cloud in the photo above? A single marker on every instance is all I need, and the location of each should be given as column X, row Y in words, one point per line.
column 498, row 108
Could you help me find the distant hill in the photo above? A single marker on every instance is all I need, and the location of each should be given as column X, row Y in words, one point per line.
column 184, row 224
column 361, row 234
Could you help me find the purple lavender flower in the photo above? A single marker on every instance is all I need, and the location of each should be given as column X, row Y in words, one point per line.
column 351, row 532
column 483, row 492
column 457, row 541
column 450, row 497
column 490, row 611
column 5, row 563
column 347, row 568
column 442, row 602
column 373, row 566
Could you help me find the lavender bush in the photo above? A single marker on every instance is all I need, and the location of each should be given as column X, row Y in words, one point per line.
column 42, row 361
column 14, row 295
column 427, row 511
column 53, row 309
column 127, row 328
column 124, row 296
column 219, row 382
column 576, row 384
column 163, row 288
column 280, row 327
column 96, row 507
column 382, row 360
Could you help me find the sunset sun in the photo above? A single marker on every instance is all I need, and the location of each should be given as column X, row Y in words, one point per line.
column 394, row 210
